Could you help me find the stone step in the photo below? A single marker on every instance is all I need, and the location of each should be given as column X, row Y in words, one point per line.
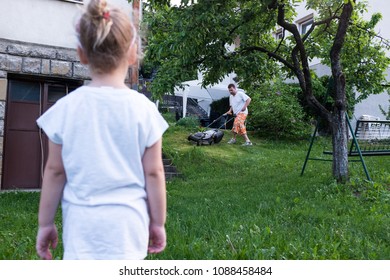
column 170, row 176
column 170, row 170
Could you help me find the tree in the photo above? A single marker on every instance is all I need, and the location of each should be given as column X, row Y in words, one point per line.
column 197, row 36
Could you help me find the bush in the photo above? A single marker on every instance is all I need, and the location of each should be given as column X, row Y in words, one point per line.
column 169, row 117
column 275, row 111
column 219, row 107
column 189, row 122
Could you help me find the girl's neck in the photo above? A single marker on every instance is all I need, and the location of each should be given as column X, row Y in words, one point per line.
column 114, row 79
column 99, row 82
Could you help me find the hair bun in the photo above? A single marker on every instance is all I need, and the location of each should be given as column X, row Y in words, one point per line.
column 105, row 34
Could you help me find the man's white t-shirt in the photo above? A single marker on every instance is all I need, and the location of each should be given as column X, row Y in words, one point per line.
column 237, row 102
column 104, row 133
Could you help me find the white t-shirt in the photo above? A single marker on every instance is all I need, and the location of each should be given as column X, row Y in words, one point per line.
column 237, row 102
column 104, row 133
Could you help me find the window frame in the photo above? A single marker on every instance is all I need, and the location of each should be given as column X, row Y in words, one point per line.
column 305, row 23
column 279, row 34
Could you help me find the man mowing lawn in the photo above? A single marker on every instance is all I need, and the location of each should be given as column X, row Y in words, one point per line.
column 239, row 103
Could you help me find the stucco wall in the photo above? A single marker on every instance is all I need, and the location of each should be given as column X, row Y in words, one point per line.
column 47, row 22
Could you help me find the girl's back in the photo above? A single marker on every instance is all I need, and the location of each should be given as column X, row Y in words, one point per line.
column 104, row 156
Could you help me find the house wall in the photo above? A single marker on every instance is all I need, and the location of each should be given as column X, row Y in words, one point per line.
column 370, row 106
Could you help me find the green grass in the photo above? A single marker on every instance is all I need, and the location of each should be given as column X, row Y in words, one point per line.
column 235, row 202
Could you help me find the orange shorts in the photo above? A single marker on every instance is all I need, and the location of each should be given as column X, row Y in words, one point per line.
column 239, row 124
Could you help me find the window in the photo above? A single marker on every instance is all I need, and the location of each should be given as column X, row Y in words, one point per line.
column 306, row 26
column 279, row 34
column 305, row 23
column 24, row 91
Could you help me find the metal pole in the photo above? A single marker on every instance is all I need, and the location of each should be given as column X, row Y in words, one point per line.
column 311, row 145
column 358, row 148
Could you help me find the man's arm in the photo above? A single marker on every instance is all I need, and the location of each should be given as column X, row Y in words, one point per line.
column 230, row 111
column 247, row 102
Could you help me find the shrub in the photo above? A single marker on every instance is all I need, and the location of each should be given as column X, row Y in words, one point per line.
column 275, row 111
column 169, row 117
column 189, row 122
column 219, row 107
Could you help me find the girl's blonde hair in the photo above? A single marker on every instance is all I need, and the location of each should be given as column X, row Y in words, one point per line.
column 105, row 34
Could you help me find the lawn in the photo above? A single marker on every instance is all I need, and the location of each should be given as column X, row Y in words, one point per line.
column 233, row 202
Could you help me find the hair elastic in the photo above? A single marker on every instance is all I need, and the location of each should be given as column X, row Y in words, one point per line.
column 106, row 15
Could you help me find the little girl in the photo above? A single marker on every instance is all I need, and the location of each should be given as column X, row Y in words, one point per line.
column 104, row 156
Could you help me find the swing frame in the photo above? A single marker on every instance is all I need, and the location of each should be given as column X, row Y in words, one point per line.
column 354, row 142
column 355, row 149
column 360, row 132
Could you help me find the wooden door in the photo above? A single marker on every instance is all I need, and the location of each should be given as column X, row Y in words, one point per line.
column 25, row 145
column 22, row 156
column 51, row 93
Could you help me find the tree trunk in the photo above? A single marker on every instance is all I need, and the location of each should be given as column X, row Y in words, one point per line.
column 340, row 146
column 339, row 122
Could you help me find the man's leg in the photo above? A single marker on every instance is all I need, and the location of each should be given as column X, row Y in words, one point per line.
column 243, row 132
column 233, row 140
column 247, row 141
column 234, row 131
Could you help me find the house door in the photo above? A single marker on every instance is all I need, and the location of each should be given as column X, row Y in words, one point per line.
column 25, row 145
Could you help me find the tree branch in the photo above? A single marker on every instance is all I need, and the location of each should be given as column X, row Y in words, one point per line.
column 383, row 40
column 300, row 58
column 270, row 54
column 281, row 41
column 335, row 55
column 326, row 21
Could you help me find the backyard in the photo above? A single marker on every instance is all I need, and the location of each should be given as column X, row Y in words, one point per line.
column 233, row 202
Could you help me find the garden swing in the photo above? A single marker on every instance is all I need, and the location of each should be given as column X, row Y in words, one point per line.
column 354, row 145
column 354, row 149
column 371, row 137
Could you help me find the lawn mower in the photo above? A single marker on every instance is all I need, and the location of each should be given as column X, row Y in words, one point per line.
column 210, row 136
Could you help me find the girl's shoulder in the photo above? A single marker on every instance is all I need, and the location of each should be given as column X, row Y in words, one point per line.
column 88, row 95
column 133, row 94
